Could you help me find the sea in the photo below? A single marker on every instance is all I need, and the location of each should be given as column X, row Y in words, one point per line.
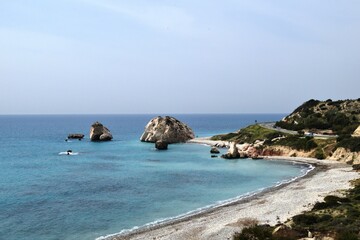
column 111, row 187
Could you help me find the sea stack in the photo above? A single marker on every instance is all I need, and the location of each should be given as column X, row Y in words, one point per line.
column 167, row 129
column 99, row 132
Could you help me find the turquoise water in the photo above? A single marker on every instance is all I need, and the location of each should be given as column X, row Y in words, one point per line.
column 115, row 185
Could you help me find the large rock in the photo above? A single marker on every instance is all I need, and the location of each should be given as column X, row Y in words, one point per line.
column 233, row 152
column 167, row 129
column 99, row 132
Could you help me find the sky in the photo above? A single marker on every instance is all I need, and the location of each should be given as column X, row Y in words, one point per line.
column 183, row 56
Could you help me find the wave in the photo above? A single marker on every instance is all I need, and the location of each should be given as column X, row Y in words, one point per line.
column 165, row 221
column 68, row 153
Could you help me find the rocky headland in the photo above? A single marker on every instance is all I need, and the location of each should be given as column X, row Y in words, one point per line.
column 316, row 129
column 166, row 129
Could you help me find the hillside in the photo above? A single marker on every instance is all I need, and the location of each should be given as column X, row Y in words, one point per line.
column 328, row 117
column 249, row 135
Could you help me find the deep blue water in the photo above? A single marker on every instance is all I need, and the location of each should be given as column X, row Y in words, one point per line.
column 115, row 185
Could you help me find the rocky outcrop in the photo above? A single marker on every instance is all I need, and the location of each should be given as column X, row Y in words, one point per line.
column 344, row 155
column 99, row 132
column 214, row 150
column 243, row 154
column 75, row 136
column 167, row 129
column 161, row 145
column 285, row 151
column 356, row 132
column 233, row 152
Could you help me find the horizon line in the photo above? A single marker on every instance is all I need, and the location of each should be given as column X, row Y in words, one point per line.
column 79, row 114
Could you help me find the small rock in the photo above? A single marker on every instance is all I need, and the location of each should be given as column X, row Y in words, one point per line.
column 214, row 150
column 76, row 136
column 161, row 145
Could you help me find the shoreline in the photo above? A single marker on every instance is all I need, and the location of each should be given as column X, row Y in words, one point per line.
column 128, row 233
column 267, row 206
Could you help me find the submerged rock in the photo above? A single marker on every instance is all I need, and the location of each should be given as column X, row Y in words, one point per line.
column 99, row 132
column 167, row 129
column 161, row 145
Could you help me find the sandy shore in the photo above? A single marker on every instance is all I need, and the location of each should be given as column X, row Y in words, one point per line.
column 270, row 206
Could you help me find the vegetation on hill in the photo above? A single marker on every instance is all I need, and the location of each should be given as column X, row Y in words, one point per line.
column 349, row 142
column 249, row 135
column 326, row 117
column 297, row 142
column 338, row 217
column 341, row 117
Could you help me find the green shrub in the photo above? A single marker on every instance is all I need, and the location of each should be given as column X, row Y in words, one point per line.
column 342, row 137
column 324, row 218
column 257, row 232
column 273, row 135
column 298, row 142
column 320, row 206
column 224, row 137
column 249, row 134
column 356, row 166
column 347, row 235
column 305, row 219
column 352, row 144
column 319, row 154
column 334, row 200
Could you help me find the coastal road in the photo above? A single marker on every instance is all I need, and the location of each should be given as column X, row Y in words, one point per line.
column 271, row 125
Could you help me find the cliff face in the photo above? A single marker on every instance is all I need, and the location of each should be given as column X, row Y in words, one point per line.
column 285, row 151
column 346, row 156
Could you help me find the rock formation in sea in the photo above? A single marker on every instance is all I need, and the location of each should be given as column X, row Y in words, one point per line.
column 214, row 150
column 167, row 129
column 99, row 132
column 76, row 136
column 161, row 145
column 233, row 152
